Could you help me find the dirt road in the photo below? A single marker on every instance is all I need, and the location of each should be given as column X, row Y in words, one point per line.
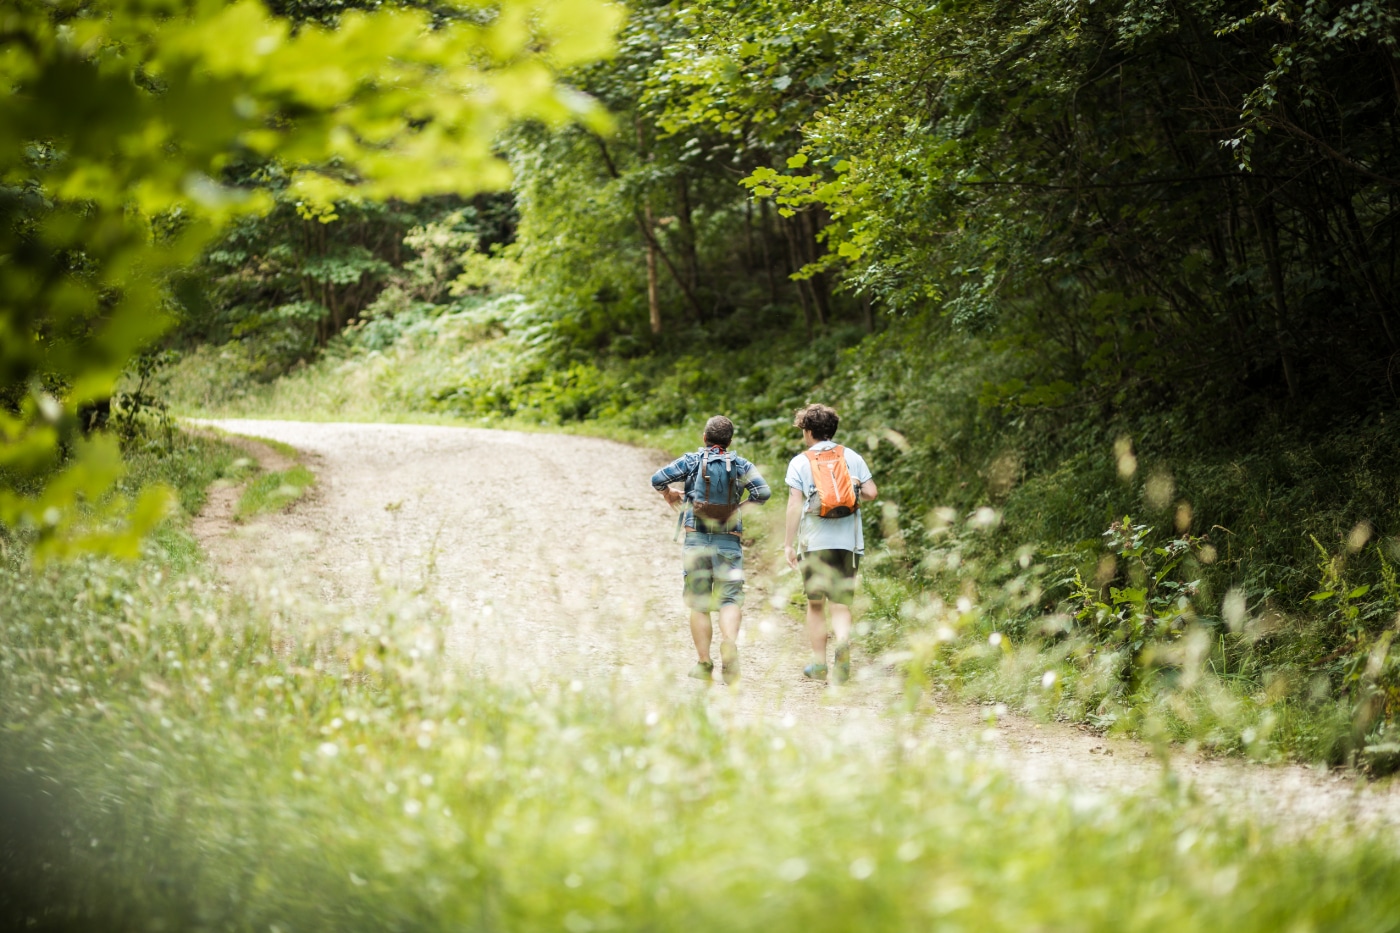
column 557, row 562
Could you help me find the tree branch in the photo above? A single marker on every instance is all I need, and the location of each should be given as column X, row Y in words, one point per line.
column 650, row 234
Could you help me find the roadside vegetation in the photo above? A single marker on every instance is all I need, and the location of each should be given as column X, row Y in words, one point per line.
column 1158, row 626
column 180, row 756
column 273, row 491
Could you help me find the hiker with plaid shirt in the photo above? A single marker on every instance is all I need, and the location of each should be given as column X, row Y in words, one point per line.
column 712, row 555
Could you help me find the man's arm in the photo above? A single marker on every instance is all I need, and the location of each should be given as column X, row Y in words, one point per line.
column 661, row 480
column 866, row 488
column 757, row 486
column 796, row 500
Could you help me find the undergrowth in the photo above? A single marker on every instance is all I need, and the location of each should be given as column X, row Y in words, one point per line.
column 1271, row 511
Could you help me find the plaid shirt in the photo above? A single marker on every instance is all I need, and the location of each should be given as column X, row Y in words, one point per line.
column 687, row 468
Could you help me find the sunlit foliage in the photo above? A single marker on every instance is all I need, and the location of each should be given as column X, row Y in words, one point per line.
column 119, row 121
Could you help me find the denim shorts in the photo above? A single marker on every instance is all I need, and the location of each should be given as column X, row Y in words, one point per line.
column 714, row 571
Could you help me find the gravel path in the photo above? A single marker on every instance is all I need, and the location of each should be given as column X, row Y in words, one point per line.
column 552, row 576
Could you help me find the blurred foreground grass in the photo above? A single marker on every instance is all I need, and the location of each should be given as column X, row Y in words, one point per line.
column 175, row 756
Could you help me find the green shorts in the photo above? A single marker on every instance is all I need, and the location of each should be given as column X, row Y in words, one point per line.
column 829, row 575
column 714, row 571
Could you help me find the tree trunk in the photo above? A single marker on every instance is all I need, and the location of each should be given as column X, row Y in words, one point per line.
column 1364, row 266
column 653, row 294
column 816, row 283
column 794, row 257
column 1268, row 242
column 750, row 254
column 767, row 259
column 690, row 260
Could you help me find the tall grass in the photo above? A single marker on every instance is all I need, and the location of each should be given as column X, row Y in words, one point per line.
column 485, row 363
column 177, row 758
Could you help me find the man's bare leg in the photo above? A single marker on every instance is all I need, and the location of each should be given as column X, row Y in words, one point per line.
column 840, row 623
column 703, row 631
column 816, row 628
column 841, row 628
column 729, row 619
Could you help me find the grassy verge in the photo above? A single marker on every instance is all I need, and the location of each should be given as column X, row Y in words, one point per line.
column 263, row 491
column 286, row 450
column 187, row 463
column 175, row 757
column 476, row 365
column 273, row 492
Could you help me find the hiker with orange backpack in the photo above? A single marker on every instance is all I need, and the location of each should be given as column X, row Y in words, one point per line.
column 824, row 540
column 713, row 556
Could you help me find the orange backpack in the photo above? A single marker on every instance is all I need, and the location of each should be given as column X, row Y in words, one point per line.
column 836, row 492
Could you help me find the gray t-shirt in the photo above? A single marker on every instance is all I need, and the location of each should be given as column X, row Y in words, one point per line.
column 826, row 534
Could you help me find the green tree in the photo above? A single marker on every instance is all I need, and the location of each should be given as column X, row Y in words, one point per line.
column 646, row 231
column 118, row 120
column 1136, row 197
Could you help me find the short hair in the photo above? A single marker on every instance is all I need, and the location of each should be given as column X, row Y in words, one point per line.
column 719, row 431
column 821, row 420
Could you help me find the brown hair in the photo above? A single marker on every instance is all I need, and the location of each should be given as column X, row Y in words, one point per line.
column 719, row 431
column 821, row 420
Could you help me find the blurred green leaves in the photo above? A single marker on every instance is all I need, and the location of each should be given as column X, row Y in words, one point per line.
column 113, row 524
column 118, row 123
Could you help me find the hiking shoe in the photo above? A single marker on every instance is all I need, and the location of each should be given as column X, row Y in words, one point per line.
column 843, row 663
column 703, row 670
column 729, row 657
column 814, row 671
